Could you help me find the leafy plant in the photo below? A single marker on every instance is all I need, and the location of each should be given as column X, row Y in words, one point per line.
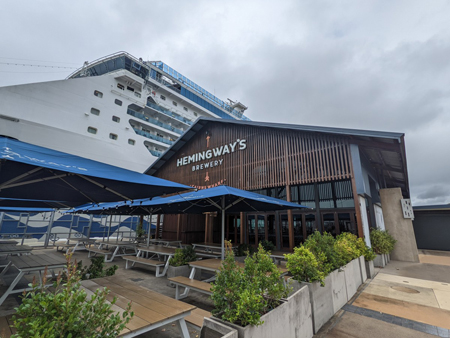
column 382, row 241
column 244, row 249
column 346, row 247
column 183, row 256
column 241, row 295
column 267, row 245
column 67, row 311
column 368, row 253
column 323, row 247
column 95, row 270
column 304, row 266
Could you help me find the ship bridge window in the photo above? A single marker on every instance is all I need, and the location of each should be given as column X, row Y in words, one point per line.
column 98, row 94
column 121, row 86
column 113, row 136
column 130, row 88
column 185, row 109
column 174, row 103
column 131, row 141
column 118, row 102
column 162, row 97
column 92, row 130
column 95, row 111
column 116, row 119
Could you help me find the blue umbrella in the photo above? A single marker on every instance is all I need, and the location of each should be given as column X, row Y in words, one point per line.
column 36, row 173
column 221, row 198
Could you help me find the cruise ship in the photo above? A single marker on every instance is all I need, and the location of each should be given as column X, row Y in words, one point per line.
column 118, row 110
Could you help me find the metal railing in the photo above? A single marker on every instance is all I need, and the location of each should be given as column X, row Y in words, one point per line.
column 154, row 121
column 169, row 113
column 153, row 137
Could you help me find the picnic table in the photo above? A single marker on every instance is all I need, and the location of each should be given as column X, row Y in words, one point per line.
column 165, row 242
column 151, row 309
column 29, row 264
column 8, row 241
column 119, row 251
column 211, row 265
column 163, row 256
column 13, row 249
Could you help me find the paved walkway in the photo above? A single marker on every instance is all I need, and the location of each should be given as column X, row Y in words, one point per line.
column 403, row 300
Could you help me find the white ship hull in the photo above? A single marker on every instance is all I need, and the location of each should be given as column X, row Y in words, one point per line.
column 106, row 118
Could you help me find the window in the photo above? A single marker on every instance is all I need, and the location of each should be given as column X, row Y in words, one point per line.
column 130, row 88
column 195, row 114
column 113, row 136
column 185, row 108
column 159, row 135
column 120, row 86
column 174, row 103
column 118, row 102
column 95, row 111
column 162, row 97
column 137, row 94
column 92, row 130
column 98, row 94
column 132, row 142
column 116, row 119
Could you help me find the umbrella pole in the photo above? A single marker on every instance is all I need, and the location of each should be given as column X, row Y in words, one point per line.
column 149, row 230
column 223, row 227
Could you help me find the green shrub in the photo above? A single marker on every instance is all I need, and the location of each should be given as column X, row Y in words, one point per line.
column 382, row 241
column 347, row 247
column 244, row 250
column 67, row 311
column 242, row 295
column 183, row 256
column 95, row 270
column 322, row 246
column 304, row 266
column 367, row 252
column 267, row 245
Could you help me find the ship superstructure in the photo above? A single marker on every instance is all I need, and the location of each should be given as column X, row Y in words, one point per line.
column 118, row 110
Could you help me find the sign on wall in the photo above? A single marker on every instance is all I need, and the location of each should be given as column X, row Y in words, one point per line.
column 407, row 209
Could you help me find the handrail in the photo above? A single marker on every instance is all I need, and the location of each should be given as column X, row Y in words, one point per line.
column 154, row 121
column 153, row 137
column 169, row 113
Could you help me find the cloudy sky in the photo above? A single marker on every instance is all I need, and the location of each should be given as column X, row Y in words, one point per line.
column 381, row 65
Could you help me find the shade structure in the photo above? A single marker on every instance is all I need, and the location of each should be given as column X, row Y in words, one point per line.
column 23, row 203
column 222, row 198
column 35, row 173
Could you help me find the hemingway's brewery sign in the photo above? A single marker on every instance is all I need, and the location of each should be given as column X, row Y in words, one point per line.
column 208, row 157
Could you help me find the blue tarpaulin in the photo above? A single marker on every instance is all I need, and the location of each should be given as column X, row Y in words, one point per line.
column 31, row 172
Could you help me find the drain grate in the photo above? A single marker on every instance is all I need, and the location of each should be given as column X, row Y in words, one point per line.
column 404, row 289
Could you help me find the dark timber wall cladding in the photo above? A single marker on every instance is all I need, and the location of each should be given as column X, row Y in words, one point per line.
column 250, row 158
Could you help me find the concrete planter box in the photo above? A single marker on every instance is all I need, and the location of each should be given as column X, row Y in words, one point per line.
column 293, row 318
column 352, row 273
column 387, row 258
column 321, row 298
column 362, row 267
column 216, row 329
column 338, row 289
column 379, row 261
column 370, row 269
column 184, row 270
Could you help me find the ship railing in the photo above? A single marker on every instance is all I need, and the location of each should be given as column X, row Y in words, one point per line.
column 155, row 152
column 153, row 137
column 154, row 121
column 169, row 113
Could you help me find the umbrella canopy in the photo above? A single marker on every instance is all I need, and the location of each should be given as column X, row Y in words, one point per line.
column 23, row 203
column 32, row 172
column 221, row 198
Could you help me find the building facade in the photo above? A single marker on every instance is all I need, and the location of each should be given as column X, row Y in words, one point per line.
column 336, row 173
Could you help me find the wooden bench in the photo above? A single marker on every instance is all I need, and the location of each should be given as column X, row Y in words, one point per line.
column 209, row 254
column 188, row 284
column 64, row 246
column 146, row 261
column 96, row 251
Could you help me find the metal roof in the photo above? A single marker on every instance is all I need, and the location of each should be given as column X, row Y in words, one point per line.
column 385, row 150
column 431, row 207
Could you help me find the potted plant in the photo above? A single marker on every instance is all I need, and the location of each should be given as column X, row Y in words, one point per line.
column 251, row 299
column 242, row 251
column 178, row 264
column 382, row 244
